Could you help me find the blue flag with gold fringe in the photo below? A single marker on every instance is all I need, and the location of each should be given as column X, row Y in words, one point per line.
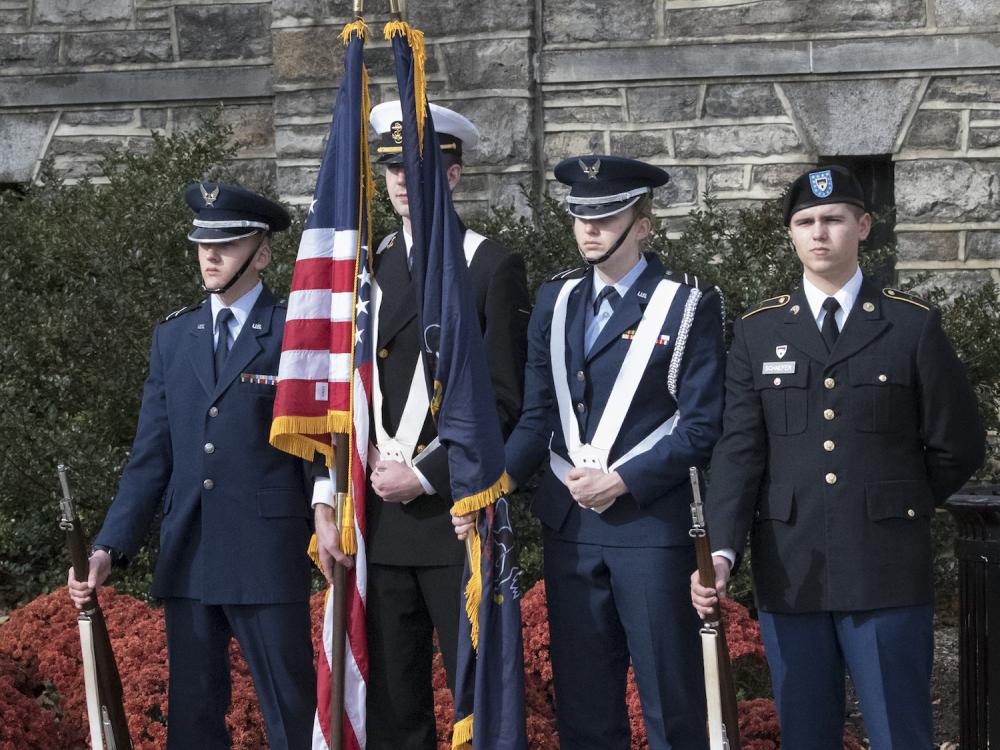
column 489, row 691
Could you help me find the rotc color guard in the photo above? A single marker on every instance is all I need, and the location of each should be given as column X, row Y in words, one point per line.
column 848, row 420
column 623, row 393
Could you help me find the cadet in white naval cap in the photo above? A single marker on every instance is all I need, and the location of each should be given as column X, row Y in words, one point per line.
column 415, row 561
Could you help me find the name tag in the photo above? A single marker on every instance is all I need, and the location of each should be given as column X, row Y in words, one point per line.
column 778, row 368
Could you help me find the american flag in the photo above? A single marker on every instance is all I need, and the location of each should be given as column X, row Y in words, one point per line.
column 324, row 378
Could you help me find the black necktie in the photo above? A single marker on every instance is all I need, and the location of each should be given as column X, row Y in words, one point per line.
column 829, row 328
column 610, row 294
column 222, row 345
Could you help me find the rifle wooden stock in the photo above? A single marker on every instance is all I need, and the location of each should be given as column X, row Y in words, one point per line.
column 724, row 727
column 106, row 711
column 341, row 448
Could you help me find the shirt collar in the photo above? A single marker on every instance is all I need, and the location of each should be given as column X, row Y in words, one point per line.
column 845, row 295
column 241, row 308
column 625, row 282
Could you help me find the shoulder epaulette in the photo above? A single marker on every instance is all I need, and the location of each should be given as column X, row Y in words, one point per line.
column 386, row 241
column 281, row 303
column 570, row 273
column 768, row 304
column 690, row 279
column 182, row 311
column 896, row 294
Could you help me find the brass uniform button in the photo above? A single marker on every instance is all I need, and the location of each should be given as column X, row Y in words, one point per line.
column 777, row 381
column 831, row 478
column 580, row 408
column 420, row 448
column 911, row 513
column 383, row 353
column 208, row 484
column 209, row 448
column 828, row 445
column 828, row 414
column 214, row 411
column 882, row 378
column 829, row 384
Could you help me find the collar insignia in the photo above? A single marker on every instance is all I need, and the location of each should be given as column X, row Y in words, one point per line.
column 592, row 170
column 868, row 307
column 257, row 327
column 208, row 197
column 795, row 309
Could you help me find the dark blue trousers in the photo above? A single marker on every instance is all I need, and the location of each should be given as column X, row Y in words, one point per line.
column 610, row 605
column 889, row 654
column 275, row 641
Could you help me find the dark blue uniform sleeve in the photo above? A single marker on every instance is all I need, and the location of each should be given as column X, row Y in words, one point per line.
column 952, row 432
column 528, row 445
column 145, row 478
column 651, row 475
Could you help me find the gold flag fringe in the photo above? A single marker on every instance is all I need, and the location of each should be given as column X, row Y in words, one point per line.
column 480, row 500
column 474, row 588
column 415, row 38
column 461, row 734
column 359, row 28
column 348, row 541
column 313, row 551
column 291, row 434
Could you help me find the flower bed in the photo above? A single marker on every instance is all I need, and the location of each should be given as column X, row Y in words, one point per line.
column 42, row 701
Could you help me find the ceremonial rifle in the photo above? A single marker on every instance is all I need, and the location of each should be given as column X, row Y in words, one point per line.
column 720, row 691
column 103, row 685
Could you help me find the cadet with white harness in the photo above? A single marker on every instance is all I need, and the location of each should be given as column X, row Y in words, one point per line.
column 623, row 393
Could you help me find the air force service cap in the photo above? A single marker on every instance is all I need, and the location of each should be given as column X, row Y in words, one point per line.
column 224, row 213
column 602, row 186
column 831, row 184
column 454, row 131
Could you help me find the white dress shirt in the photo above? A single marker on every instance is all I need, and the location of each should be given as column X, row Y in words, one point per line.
column 241, row 311
column 595, row 323
column 845, row 296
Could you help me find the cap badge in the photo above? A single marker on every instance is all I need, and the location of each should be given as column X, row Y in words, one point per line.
column 592, row 170
column 821, row 183
column 396, row 131
column 780, row 351
column 208, row 197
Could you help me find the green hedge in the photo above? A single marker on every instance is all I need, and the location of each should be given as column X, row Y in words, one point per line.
column 90, row 268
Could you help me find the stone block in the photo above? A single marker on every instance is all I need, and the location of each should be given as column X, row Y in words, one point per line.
column 953, row 282
column 97, row 117
column 224, row 32
column 927, row 246
column 297, row 180
column 982, row 246
column 304, row 103
column 293, row 141
column 14, row 17
column 252, row 124
column 941, row 129
column 76, row 12
column 155, row 17
column 153, row 119
column 984, row 137
column 505, row 132
column 558, row 146
column 308, row 55
column 258, row 174
column 475, row 16
column 735, row 140
column 76, row 167
column 968, row 88
column 487, row 64
column 965, row 12
column 96, row 147
column 681, row 190
column 22, row 138
column 584, row 114
column 780, row 16
column 662, row 103
column 305, row 11
column 852, row 116
column 947, row 190
column 511, row 192
column 117, row 47
column 380, row 62
column 742, row 100
column 675, row 225
column 725, row 179
column 29, row 50
column 775, row 177
column 648, row 144
column 599, row 21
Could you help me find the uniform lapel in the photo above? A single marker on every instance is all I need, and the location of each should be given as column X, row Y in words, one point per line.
column 576, row 318
column 863, row 324
column 200, row 350
column 398, row 305
column 247, row 346
column 630, row 309
column 800, row 329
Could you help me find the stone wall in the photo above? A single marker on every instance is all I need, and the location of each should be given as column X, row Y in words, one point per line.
column 733, row 98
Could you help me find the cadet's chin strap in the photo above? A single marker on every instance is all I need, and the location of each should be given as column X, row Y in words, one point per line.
column 613, row 248
column 236, row 276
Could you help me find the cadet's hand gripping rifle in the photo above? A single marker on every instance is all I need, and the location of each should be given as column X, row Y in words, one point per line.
column 105, row 710
column 723, row 721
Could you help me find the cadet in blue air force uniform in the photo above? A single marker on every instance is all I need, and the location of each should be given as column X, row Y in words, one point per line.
column 624, row 377
column 848, row 419
column 236, row 514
